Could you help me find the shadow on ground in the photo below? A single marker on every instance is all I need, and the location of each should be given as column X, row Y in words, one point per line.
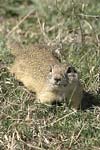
column 90, row 100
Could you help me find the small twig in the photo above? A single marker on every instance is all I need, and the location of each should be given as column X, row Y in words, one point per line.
column 58, row 8
column 89, row 16
column 81, row 30
column 65, row 116
column 80, row 132
column 54, row 27
column 32, row 146
column 74, row 139
column 42, row 28
column 19, row 23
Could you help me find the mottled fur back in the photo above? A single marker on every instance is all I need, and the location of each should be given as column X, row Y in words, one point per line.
column 32, row 63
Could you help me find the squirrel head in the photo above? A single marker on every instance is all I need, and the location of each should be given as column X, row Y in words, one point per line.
column 61, row 75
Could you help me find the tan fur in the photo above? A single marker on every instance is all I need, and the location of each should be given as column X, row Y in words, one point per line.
column 32, row 67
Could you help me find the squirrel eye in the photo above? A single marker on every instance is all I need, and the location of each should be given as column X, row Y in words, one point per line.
column 71, row 69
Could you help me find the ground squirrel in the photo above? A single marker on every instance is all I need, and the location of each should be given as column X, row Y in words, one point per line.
column 41, row 72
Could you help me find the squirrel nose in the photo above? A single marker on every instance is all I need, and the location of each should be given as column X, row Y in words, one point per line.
column 57, row 80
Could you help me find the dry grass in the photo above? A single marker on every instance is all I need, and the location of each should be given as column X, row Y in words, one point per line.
column 73, row 27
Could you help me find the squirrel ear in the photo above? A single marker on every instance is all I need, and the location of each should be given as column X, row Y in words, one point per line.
column 71, row 69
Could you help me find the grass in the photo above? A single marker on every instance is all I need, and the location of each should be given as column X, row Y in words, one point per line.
column 73, row 27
